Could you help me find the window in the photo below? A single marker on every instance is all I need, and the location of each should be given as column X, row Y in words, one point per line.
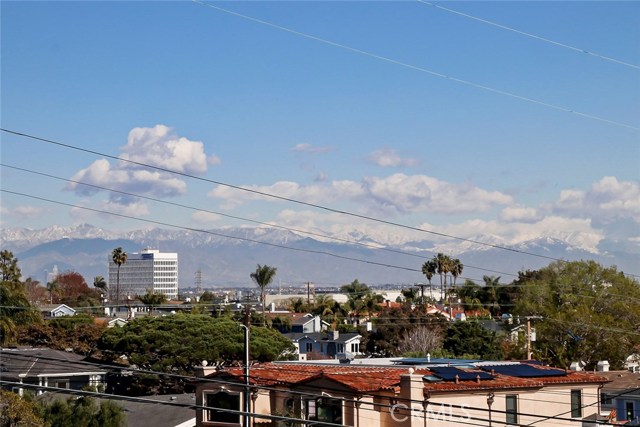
column 309, row 347
column 340, row 348
column 323, row 409
column 576, row 403
column 512, row 409
column 355, row 348
column 605, row 399
column 217, row 403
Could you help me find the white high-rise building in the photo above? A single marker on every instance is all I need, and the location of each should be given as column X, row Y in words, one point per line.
column 147, row 270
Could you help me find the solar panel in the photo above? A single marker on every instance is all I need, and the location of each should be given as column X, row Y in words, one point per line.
column 448, row 373
column 525, row 371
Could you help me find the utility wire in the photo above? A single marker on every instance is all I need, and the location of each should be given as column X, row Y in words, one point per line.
column 245, row 239
column 302, row 394
column 417, row 68
column 533, row 36
column 268, row 224
column 317, row 206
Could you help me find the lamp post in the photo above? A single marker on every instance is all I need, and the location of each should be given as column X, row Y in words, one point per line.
column 489, row 403
column 246, row 376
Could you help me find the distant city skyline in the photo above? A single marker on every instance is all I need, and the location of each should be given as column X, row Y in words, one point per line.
column 497, row 122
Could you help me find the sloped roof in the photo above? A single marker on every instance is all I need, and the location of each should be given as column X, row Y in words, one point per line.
column 33, row 362
column 366, row 378
column 321, row 336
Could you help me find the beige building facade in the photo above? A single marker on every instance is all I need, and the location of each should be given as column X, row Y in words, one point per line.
column 397, row 396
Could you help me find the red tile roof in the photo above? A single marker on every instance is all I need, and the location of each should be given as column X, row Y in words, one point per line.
column 364, row 379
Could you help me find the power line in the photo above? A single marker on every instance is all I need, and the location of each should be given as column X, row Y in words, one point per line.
column 421, row 69
column 166, row 224
column 272, row 225
column 292, row 392
column 282, row 198
column 533, row 36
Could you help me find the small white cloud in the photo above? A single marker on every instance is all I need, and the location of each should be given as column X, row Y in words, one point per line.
column 24, row 212
column 308, row 148
column 519, row 214
column 388, row 157
column 103, row 209
column 205, row 218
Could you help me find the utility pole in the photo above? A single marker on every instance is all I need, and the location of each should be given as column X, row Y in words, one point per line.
column 529, row 318
column 308, row 293
column 247, row 392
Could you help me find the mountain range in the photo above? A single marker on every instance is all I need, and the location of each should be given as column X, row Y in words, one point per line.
column 226, row 257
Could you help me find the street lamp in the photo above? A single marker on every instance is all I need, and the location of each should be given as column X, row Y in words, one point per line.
column 246, row 376
column 489, row 403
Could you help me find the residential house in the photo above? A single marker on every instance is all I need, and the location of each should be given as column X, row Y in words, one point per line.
column 621, row 396
column 50, row 311
column 23, row 367
column 308, row 324
column 445, row 393
column 325, row 345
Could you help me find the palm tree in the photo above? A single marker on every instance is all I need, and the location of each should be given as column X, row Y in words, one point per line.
column 263, row 276
column 456, row 270
column 443, row 267
column 52, row 287
column 491, row 285
column 119, row 257
column 151, row 299
column 100, row 283
column 429, row 269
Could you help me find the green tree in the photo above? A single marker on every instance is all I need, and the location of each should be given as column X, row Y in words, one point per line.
column 263, row 276
column 588, row 312
column 9, row 267
column 152, row 299
column 179, row 342
column 15, row 309
column 84, row 412
column 464, row 339
column 119, row 257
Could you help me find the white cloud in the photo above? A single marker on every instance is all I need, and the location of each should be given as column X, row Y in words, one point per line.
column 133, row 209
column 205, row 218
column 23, row 212
column 607, row 201
column 395, row 194
column 519, row 214
column 388, row 157
column 157, row 146
column 308, row 148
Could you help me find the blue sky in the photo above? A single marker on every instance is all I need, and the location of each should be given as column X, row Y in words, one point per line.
column 340, row 104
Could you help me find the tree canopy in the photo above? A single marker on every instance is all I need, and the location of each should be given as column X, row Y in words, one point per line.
column 588, row 312
column 15, row 309
column 179, row 342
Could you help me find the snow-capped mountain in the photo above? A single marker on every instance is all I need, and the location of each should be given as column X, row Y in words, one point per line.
column 227, row 256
